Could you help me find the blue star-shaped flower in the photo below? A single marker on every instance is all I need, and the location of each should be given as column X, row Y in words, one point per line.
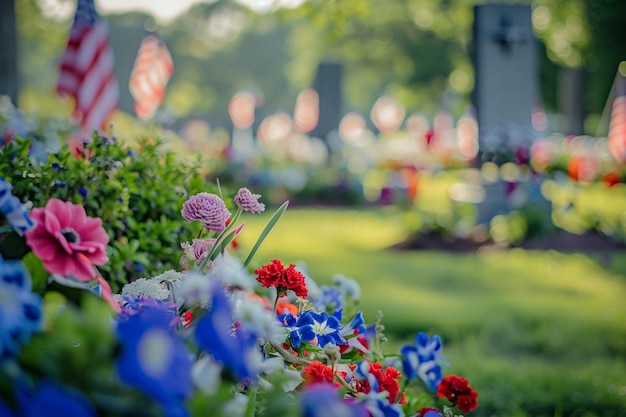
column 327, row 328
column 298, row 332
column 421, row 360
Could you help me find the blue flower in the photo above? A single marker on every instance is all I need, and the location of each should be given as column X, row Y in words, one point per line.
column 298, row 332
column 154, row 360
column 421, row 360
column 352, row 331
column 20, row 308
column 379, row 407
column 13, row 210
column 322, row 400
column 48, row 398
column 236, row 350
column 83, row 193
column 330, row 299
column 131, row 306
column 376, row 402
column 326, row 328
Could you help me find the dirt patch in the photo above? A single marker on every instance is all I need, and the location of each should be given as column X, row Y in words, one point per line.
column 559, row 241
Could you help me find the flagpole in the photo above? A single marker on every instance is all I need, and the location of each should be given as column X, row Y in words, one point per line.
column 603, row 125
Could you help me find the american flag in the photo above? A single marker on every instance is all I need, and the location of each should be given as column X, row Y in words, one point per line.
column 617, row 123
column 151, row 72
column 87, row 71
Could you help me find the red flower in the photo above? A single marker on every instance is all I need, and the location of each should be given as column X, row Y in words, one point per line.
column 274, row 274
column 611, row 178
column 317, row 372
column 429, row 412
column 387, row 381
column 459, row 392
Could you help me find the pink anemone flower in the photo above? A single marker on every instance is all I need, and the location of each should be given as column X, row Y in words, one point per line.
column 67, row 240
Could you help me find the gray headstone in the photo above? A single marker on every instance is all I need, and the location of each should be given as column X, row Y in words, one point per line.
column 8, row 51
column 506, row 70
column 572, row 101
column 328, row 86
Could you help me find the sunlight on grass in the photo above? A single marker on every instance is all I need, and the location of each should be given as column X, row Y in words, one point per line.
column 535, row 330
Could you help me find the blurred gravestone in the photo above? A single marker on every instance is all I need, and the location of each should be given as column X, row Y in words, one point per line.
column 506, row 91
column 328, row 86
column 571, row 101
column 8, row 51
column 506, row 71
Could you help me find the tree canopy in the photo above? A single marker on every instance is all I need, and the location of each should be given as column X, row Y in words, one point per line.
column 414, row 50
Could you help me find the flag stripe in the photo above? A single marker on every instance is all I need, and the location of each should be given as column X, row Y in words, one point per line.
column 87, row 70
column 151, row 72
column 617, row 130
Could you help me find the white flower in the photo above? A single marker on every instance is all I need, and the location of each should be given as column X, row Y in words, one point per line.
column 194, row 289
column 348, row 286
column 143, row 287
column 236, row 407
column 231, row 273
column 256, row 318
column 290, row 378
column 206, row 375
column 171, row 276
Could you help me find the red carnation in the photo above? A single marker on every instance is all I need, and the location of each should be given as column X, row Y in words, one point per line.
column 459, row 392
column 429, row 412
column 387, row 381
column 276, row 275
column 317, row 372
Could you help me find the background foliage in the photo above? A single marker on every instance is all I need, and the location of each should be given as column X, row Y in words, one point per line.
column 417, row 51
column 136, row 191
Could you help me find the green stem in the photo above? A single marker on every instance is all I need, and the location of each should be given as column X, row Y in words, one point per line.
column 278, row 294
column 270, row 224
column 288, row 357
column 251, row 407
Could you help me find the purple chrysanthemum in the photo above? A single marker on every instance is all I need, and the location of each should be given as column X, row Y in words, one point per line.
column 208, row 209
column 249, row 202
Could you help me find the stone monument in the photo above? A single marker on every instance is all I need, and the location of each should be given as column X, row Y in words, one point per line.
column 504, row 53
column 328, row 84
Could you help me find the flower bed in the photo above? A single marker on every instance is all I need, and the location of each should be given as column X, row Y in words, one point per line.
column 210, row 336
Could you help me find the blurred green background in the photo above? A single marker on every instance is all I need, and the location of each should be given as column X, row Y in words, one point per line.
column 538, row 333
column 417, row 51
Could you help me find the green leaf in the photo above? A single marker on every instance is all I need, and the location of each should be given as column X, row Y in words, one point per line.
column 270, row 224
column 13, row 246
column 38, row 273
column 220, row 245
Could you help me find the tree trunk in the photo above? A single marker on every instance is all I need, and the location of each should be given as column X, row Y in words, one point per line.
column 8, row 50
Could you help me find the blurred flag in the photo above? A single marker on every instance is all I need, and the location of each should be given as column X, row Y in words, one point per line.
column 307, row 111
column 86, row 71
column 617, row 122
column 151, row 72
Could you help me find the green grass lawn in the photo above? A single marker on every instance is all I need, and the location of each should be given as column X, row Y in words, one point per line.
column 536, row 333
